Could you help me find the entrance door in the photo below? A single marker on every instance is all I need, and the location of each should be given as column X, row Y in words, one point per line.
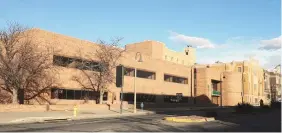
column 215, row 100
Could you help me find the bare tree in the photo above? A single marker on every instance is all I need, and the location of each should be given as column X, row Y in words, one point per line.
column 24, row 64
column 102, row 67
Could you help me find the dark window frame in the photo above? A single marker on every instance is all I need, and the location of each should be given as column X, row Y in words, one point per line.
column 175, row 79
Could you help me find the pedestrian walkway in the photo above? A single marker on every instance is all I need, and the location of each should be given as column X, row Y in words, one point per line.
column 31, row 117
column 88, row 113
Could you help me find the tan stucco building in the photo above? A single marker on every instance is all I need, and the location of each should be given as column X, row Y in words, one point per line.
column 273, row 84
column 161, row 75
column 236, row 82
column 164, row 76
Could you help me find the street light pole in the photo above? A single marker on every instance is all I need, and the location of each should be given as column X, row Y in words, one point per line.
column 135, row 75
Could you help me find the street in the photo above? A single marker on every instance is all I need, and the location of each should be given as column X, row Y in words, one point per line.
column 263, row 122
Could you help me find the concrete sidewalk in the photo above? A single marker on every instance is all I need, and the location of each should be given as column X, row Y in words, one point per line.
column 7, row 118
column 33, row 117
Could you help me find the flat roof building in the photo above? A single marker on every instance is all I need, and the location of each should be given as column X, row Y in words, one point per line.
column 164, row 76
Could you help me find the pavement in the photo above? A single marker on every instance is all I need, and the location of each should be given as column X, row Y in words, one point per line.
column 270, row 121
column 32, row 117
column 35, row 117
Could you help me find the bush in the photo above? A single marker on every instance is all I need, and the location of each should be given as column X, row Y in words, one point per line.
column 265, row 107
column 211, row 114
column 276, row 105
column 244, row 108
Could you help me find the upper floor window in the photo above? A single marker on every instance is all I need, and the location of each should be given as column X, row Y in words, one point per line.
column 186, row 53
column 239, row 69
column 175, row 79
column 255, row 86
column 77, row 63
column 146, row 74
column 129, row 72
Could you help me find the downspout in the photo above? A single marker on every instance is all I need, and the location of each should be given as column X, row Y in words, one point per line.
column 191, row 81
column 243, row 83
column 221, row 85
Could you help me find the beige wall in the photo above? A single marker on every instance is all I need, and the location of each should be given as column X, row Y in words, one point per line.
column 158, row 50
column 153, row 55
column 152, row 61
column 231, row 88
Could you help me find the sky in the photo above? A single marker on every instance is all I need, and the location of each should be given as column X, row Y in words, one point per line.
column 220, row 30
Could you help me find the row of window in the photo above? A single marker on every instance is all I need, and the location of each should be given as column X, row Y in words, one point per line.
column 240, row 70
column 152, row 75
column 76, row 63
column 96, row 66
column 140, row 73
column 150, row 98
column 175, row 79
column 69, row 94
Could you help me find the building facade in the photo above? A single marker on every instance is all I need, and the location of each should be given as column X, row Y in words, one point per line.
column 228, row 84
column 164, row 77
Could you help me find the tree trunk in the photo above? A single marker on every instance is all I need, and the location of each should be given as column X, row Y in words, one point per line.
column 101, row 97
column 15, row 96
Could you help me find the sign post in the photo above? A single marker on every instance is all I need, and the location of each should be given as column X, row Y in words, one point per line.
column 120, row 82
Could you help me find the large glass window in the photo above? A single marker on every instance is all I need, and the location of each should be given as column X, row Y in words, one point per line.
column 129, row 72
column 175, row 79
column 77, row 63
column 70, row 94
column 146, row 74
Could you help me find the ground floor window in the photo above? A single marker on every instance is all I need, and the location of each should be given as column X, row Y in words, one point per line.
column 139, row 97
column 178, row 98
column 151, row 98
column 71, row 94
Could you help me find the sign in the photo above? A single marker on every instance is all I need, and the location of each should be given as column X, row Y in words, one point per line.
column 178, row 96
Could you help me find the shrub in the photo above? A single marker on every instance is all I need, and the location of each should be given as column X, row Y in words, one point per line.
column 211, row 114
column 276, row 105
column 265, row 107
column 244, row 108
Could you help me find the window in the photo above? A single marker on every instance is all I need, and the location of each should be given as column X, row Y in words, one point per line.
column 77, row 63
column 78, row 94
column 239, row 69
column 146, row 74
column 149, row 98
column 214, row 86
column 175, row 79
column 186, row 53
column 70, row 94
column 165, row 57
column 129, row 72
column 171, row 58
column 255, row 87
column 178, row 98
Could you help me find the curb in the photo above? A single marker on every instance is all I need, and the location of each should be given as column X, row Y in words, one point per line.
column 189, row 120
column 69, row 118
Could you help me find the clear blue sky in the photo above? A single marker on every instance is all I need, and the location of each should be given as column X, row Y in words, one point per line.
column 229, row 24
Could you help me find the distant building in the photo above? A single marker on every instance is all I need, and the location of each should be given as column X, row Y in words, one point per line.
column 273, row 81
column 230, row 83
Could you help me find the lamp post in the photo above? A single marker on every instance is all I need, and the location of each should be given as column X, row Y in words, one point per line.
column 221, row 79
column 135, row 74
